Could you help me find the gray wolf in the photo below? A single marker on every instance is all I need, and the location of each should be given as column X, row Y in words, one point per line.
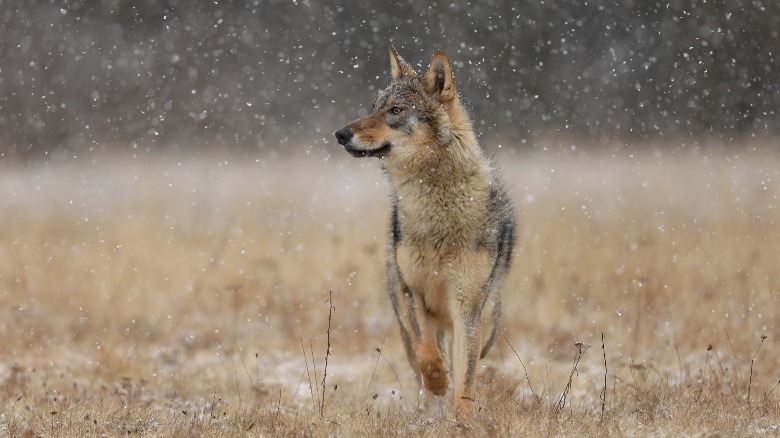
column 452, row 224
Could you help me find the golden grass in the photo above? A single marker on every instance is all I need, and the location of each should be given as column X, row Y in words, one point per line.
column 163, row 295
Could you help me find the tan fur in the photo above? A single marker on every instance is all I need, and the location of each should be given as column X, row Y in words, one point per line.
column 452, row 224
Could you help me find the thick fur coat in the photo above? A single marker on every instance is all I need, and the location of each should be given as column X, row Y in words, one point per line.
column 452, row 225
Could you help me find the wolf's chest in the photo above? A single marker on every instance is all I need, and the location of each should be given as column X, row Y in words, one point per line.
column 428, row 273
column 440, row 227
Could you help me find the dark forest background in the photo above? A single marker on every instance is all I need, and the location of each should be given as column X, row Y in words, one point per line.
column 280, row 74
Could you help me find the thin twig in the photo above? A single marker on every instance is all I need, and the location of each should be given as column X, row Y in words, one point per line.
column 398, row 379
column 604, row 391
column 766, row 397
column 308, row 374
column 527, row 378
column 327, row 352
column 679, row 360
column 753, row 361
column 314, row 365
column 706, row 363
column 723, row 373
column 238, row 349
column 278, row 409
column 297, row 388
column 240, row 403
column 371, row 379
column 581, row 349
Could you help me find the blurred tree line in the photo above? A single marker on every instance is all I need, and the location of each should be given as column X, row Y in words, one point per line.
column 281, row 74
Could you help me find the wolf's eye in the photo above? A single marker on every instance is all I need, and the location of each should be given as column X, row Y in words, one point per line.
column 396, row 110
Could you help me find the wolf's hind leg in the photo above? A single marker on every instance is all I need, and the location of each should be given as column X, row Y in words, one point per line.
column 492, row 314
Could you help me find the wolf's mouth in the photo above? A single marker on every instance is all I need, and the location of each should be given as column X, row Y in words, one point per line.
column 378, row 152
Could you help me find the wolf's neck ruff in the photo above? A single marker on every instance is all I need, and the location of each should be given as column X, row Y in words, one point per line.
column 444, row 202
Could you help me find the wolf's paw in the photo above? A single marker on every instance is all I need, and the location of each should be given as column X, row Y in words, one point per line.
column 463, row 408
column 434, row 376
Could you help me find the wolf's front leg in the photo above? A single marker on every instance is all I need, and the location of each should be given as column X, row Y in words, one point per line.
column 431, row 366
column 426, row 360
column 465, row 354
column 470, row 290
column 428, row 357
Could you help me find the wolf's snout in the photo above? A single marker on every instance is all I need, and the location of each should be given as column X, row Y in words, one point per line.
column 343, row 135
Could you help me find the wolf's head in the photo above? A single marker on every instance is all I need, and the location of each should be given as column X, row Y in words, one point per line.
column 412, row 116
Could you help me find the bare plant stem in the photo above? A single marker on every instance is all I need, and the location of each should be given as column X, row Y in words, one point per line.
column 314, row 365
column 238, row 388
column 327, row 352
column 723, row 374
column 238, row 349
column 278, row 410
column 297, row 388
column 604, row 391
column 371, row 379
column 706, row 363
column 527, row 378
column 581, row 349
column 679, row 360
column 306, row 361
column 766, row 397
column 389, row 365
column 753, row 361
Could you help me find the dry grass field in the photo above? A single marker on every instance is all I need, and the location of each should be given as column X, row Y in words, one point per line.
column 188, row 296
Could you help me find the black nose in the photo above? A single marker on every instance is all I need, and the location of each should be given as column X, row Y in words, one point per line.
column 343, row 135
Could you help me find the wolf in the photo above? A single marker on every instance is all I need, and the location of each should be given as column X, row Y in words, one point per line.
column 452, row 224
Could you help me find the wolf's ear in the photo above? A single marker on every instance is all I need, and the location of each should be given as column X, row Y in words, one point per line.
column 438, row 79
column 399, row 68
